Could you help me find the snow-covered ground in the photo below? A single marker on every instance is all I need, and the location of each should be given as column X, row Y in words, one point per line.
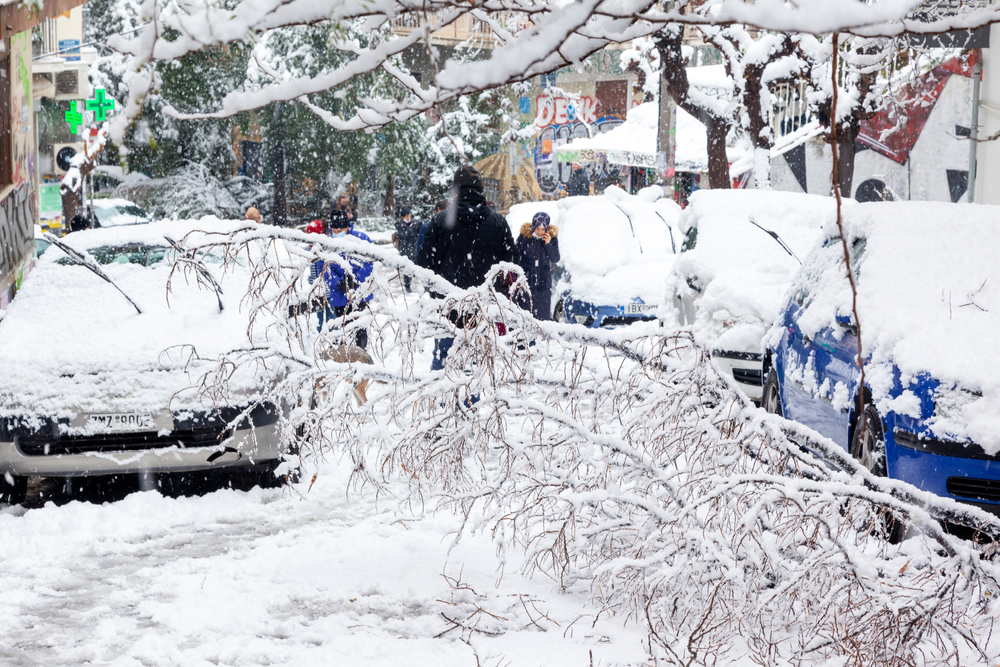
column 280, row 577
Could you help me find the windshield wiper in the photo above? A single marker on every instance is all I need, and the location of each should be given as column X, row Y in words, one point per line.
column 87, row 261
column 777, row 238
column 189, row 255
column 630, row 225
column 673, row 248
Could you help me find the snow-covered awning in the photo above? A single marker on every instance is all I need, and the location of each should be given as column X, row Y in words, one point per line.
column 633, row 143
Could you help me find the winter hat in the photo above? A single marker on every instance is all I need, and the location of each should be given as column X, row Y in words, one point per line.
column 315, row 227
column 339, row 219
column 541, row 219
column 468, row 177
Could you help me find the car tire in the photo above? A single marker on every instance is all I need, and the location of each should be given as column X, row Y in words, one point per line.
column 770, row 398
column 13, row 489
column 868, row 449
column 559, row 315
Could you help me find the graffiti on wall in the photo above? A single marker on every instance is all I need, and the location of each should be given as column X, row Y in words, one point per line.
column 17, row 236
column 561, row 110
column 551, row 173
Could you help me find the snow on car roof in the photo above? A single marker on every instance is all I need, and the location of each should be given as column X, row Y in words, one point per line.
column 110, row 203
column 743, row 272
column 928, row 297
column 70, row 340
column 616, row 246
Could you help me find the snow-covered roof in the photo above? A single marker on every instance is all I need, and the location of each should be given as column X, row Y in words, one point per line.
column 742, row 271
column 615, row 246
column 637, row 137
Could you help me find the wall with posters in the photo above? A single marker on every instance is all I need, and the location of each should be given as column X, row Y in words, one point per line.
column 17, row 208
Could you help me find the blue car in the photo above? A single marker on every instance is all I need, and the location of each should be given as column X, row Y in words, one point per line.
column 928, row 301
column 617, row 251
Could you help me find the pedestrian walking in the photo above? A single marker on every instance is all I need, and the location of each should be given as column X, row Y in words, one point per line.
column 463, row 243
column 342, row 285
column 539, row 250
column 579, row 182
column 440, row 207
column 340, row 353
column 407, row 232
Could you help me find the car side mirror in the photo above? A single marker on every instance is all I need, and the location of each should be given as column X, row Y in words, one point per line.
column 845, row 322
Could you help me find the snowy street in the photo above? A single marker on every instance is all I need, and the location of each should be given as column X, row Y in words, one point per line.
column 274, row 578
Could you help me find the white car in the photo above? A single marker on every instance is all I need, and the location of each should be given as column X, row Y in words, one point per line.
column 741, row 251
column 116, row 212
column 616, row 252
column 100, row 374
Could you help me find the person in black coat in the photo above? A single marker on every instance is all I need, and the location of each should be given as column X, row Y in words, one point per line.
column 464, row 242
column 407, row 231
column 539, row 250
column 579, row 182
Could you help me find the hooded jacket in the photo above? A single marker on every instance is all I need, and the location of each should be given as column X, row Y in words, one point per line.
column 537, row 257
column 463, row 243
column 333, row 274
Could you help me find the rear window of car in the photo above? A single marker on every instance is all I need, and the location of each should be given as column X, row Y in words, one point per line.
column 133, row 253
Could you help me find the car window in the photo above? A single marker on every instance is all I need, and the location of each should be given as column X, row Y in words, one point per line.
column 133, row 253
column 690, row 239
column 857, row 254
column 41, row 246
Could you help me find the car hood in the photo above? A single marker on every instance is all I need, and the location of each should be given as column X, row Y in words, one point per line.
column 71, row 341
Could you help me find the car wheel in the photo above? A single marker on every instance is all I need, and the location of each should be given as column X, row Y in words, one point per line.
column 771, row 397
column 868, row 448
column 560, row 313
column 13, row 490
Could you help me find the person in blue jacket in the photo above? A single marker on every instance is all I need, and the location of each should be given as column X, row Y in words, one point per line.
column 341, row 285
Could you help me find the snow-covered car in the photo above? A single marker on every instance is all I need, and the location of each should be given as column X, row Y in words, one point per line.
column 740, row 253
column 616, row 251
column 116, row 390
column 928, row 302
column 115, row 212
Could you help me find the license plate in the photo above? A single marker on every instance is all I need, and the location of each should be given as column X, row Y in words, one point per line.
column 120, row 422
column 638, row 308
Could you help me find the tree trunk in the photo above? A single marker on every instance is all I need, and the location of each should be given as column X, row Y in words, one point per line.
column 279, row 209
column 717, row 127
column 389, row 206
column 845, row 157
column 718, row 162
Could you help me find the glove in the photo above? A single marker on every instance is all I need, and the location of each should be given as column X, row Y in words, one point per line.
column 347, row 284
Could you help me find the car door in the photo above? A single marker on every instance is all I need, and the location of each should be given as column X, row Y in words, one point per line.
column 821, row 374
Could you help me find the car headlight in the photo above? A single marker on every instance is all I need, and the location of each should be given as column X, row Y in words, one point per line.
column 950, row 401
column 585, row 320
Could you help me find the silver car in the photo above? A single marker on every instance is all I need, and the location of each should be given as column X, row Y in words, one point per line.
column 104, row 370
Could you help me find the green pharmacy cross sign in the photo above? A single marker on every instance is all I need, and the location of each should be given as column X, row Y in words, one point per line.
column 100, row 105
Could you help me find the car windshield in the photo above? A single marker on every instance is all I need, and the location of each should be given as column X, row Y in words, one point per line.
column 132, row 253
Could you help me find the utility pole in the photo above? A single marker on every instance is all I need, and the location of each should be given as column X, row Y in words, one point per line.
column 977, row 75
column 666, row 135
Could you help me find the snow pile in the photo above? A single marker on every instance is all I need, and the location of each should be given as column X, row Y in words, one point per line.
column 280, row 578
column 742, row 272
column 614, row 247
column 928, row 302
